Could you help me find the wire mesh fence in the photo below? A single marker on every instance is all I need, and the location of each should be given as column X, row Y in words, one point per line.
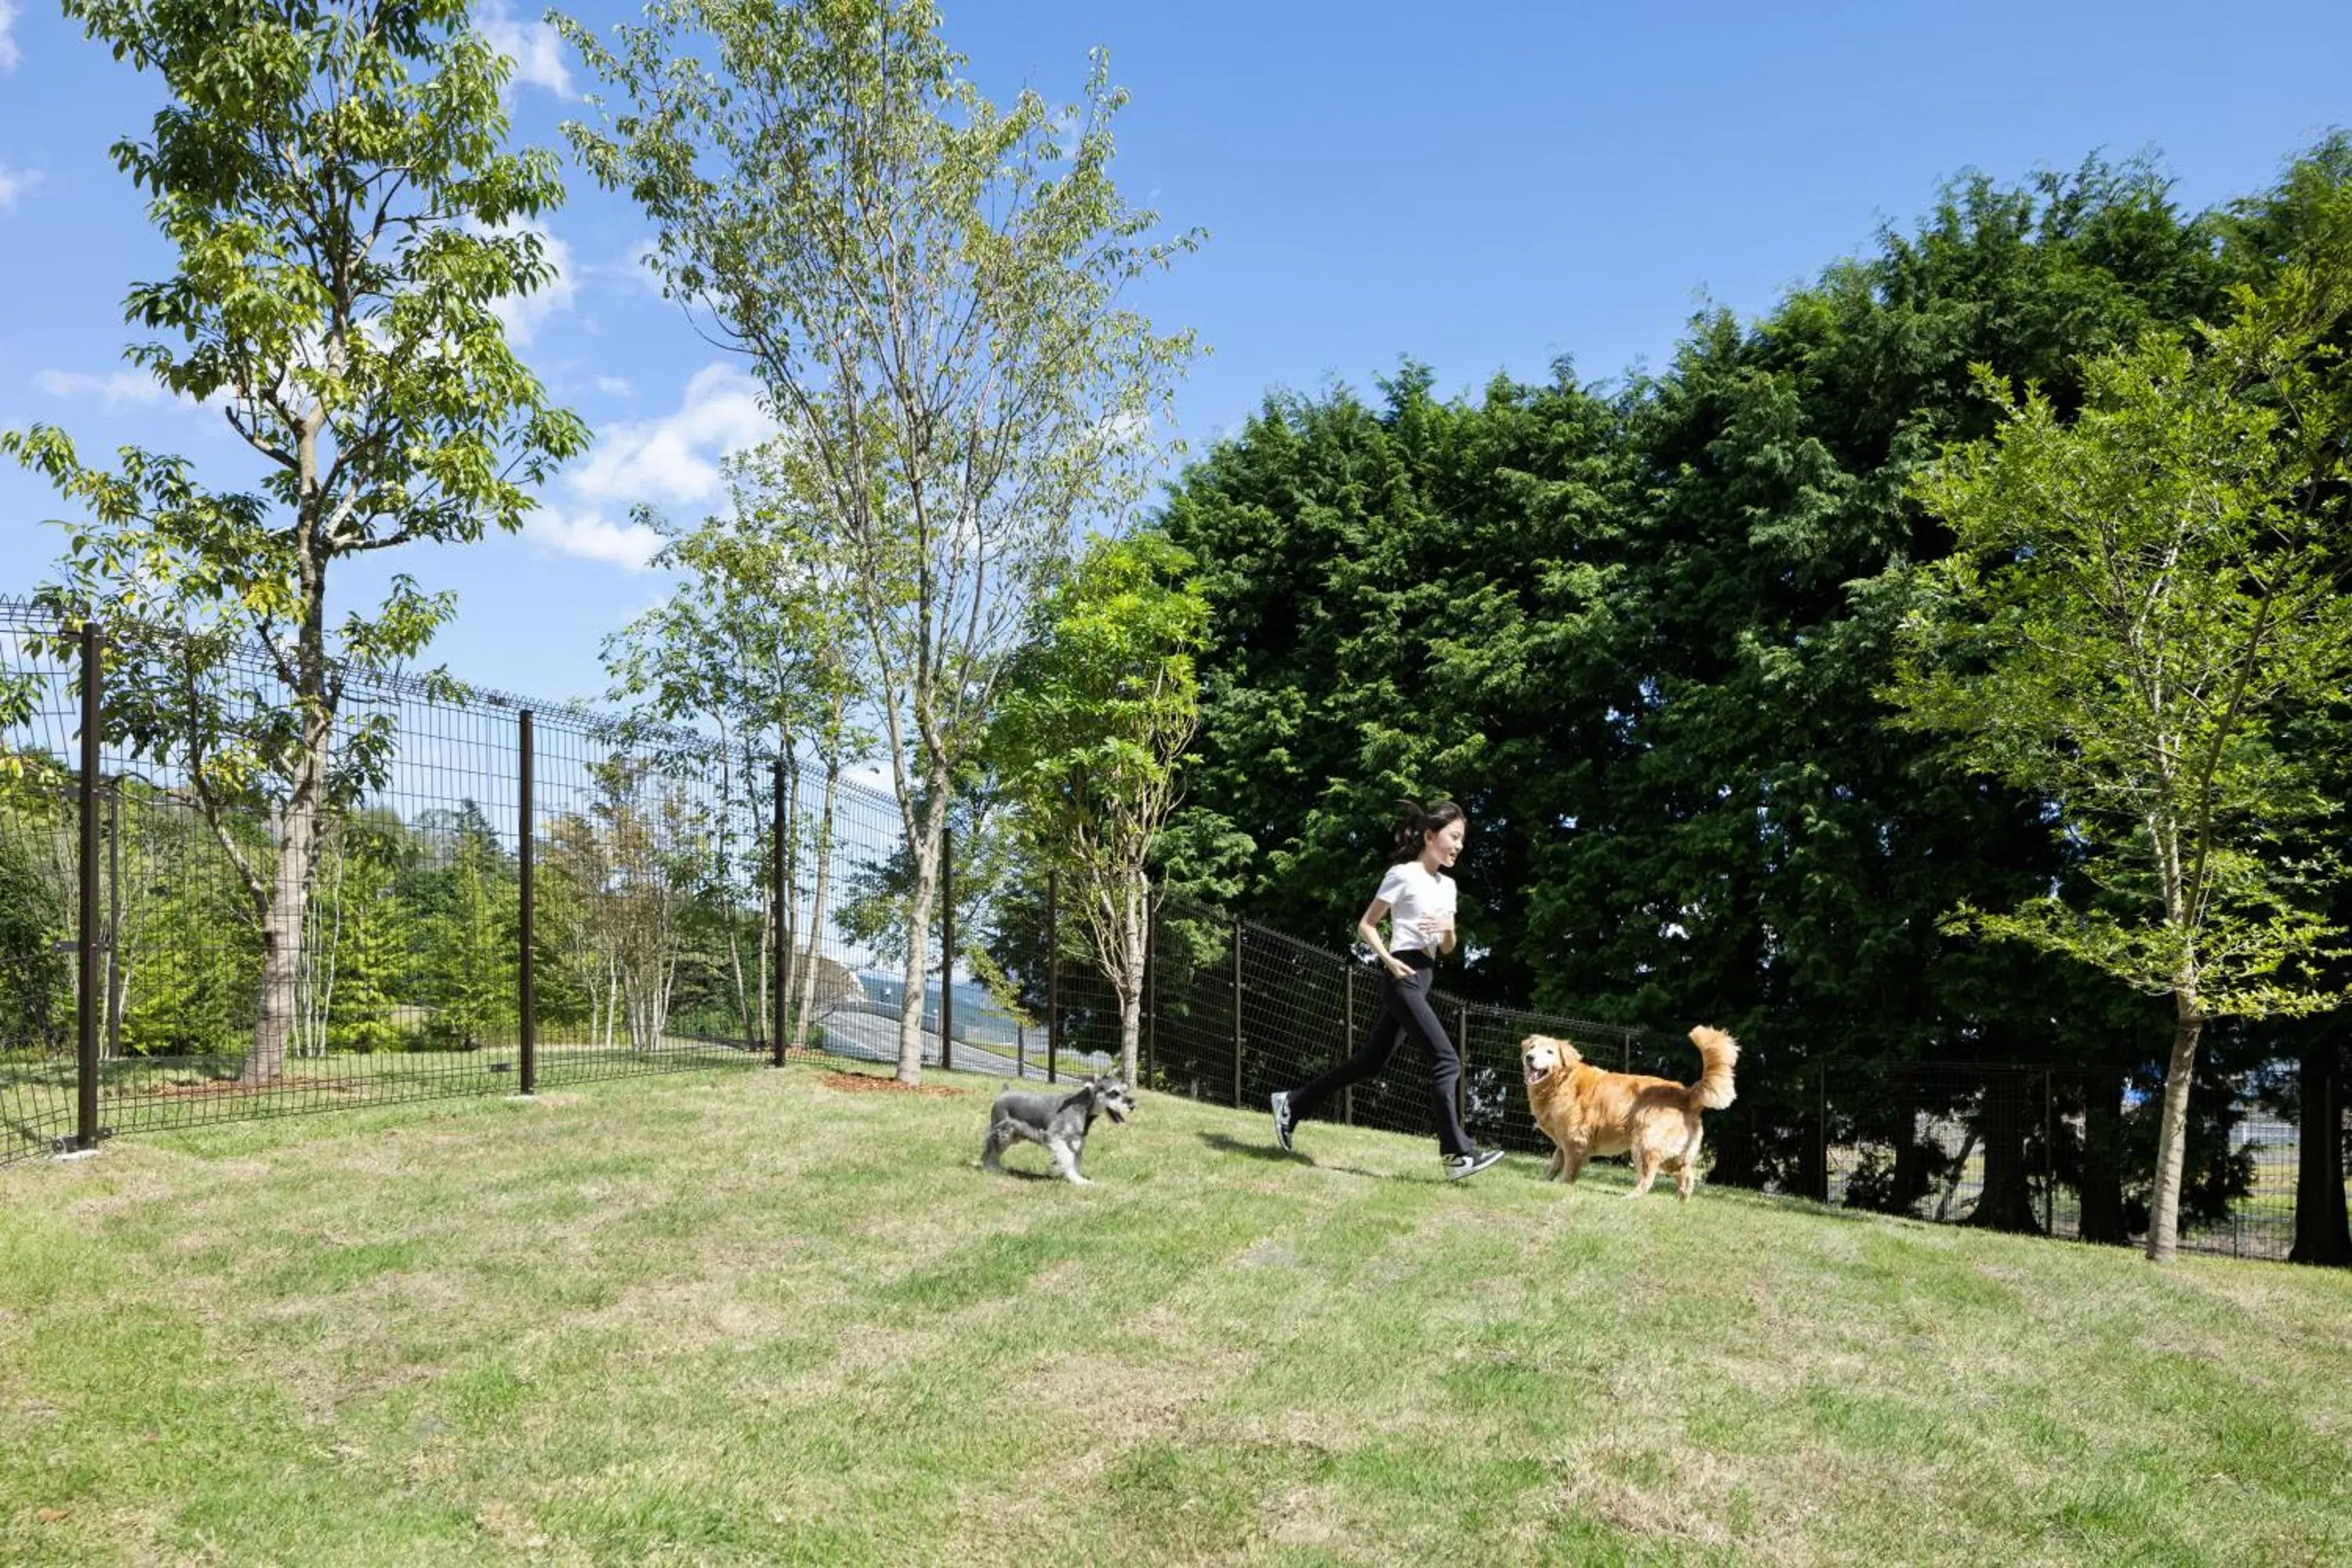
column 1238, row 1011
column 2061, row 1152
column 472, row 894
column 463, row 894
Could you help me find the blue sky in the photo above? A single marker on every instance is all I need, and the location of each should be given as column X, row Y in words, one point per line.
column 1483, row 187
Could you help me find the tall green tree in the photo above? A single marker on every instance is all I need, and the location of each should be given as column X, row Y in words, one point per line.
column 2261, row 234
column 334, row 184
column 359, row 953
column 929, row 287
column 1642, row 633
column 470, row 942
column 755, row 643
column 36, row 976
column 2136, row 600
column 1098, row 711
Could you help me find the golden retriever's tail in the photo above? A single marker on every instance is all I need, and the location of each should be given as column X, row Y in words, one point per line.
column 1718, row 1050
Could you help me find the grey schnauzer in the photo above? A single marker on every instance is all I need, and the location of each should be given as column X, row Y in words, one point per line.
column 1059, row 1121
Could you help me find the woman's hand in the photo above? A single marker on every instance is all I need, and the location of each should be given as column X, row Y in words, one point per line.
column 1438, row 929
column 1397, row 966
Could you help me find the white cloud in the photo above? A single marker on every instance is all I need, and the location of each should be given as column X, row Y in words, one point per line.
column 585, row 535
column 536, row 50
column 135, row 386
column 672, row 461
column 675, row 459
column 613, row 386
column 1129, row 427
column 15, row 182
column 523, row 314
column 9, row 53
column 635, row 266
column 641, row 256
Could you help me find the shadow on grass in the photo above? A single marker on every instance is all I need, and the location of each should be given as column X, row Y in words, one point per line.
column 1017, row 1173
column 1225, row 1143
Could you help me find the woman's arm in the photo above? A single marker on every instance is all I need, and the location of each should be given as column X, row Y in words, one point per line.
column 1369, row 928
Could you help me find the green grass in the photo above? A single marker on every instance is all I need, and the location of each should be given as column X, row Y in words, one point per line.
column 752, row 1318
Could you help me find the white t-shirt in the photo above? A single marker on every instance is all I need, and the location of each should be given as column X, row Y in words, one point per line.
column 1413, row 893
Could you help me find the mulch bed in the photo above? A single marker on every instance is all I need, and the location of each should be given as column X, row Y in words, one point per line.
column 870, row 1083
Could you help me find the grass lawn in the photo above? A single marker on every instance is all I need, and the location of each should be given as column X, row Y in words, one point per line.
column 747, row 1317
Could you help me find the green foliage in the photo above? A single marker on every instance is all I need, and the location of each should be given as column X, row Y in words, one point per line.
column 36, row 973
column 930, row 288
column 1098, row 710
column 470, row 965
column 2135, row 598
column 370, row 934
column 2141, row 602
column 345, row 222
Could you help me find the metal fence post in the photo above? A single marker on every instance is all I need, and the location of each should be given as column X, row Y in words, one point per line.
column 528, row 973
column 779, row 962
column 86, row 1130
column 947, row 947
column 1053, row 981
column 1237, row 1015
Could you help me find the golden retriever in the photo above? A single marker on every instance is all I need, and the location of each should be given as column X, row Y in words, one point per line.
column 1587, row 1111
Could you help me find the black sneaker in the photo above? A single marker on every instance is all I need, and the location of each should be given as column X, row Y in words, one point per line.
column 1461, row 1166
column 1283, row 1121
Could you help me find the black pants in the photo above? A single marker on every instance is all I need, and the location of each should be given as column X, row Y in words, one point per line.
column 1404, row 1005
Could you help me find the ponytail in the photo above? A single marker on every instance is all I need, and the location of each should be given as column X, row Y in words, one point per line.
column 1414, row 825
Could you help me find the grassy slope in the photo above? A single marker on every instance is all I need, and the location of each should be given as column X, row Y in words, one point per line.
column 751, row 1318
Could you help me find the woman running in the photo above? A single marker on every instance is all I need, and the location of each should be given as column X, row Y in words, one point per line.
column 1417, row 897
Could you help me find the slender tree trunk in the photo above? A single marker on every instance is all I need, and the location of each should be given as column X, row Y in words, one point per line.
column 824, row 847
column 1136, row 902
column 748, row 1020
column 2172, row 1133
column 2321, row 1232
column 923, row 846
column 660, row 1024
column 117, row 977
column 285, row 893
column 118, row 996
column 788, row 909
column 769, row 936
column 281, row 934
column 744, row 1016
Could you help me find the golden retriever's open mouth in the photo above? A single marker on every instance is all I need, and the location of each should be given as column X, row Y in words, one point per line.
column 1535, row 1074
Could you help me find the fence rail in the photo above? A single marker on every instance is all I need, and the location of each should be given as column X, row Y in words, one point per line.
column 504, row 896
